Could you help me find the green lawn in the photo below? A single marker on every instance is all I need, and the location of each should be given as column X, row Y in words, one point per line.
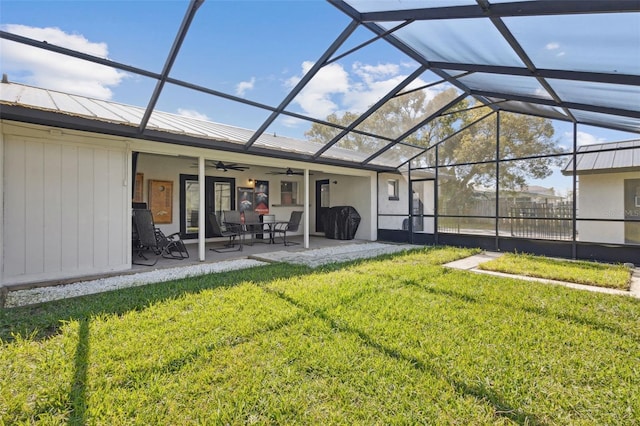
column 580, row 272
column 398, row 340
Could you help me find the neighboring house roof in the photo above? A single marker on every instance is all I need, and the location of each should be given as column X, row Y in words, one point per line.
column 533, row 191
column 612, row 157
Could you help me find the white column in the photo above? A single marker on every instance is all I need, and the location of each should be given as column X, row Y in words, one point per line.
column 203, row 214
column 306, row 208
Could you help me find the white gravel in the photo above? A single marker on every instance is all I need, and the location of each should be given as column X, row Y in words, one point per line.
column 47, row 294
column 344, row 253
column 312, row 258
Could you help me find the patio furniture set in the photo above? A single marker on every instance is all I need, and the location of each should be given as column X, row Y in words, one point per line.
column 236, row 226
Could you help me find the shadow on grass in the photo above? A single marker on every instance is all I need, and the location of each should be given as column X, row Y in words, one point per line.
column 78, row 394
column 44, row 320
column 545, row 312
column 175, row 365
column 480, row 393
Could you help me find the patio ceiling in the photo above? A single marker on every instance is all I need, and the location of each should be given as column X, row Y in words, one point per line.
column 575, row 61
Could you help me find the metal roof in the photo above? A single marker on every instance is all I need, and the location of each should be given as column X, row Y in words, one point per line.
column 504, row 54
column 613, row 157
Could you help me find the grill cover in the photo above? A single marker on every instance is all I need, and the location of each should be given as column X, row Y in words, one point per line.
column 342, row 223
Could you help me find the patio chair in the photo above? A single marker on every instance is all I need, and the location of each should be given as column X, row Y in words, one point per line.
column 252, row 223
column 232, row 216
column 291, row 226
column 150, row 238
column 229, row 233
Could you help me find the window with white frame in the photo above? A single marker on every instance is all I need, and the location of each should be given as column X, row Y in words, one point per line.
column 393, row 186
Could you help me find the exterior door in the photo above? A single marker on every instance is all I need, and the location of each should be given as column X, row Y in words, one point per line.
column 219, row 196
column 322, row 203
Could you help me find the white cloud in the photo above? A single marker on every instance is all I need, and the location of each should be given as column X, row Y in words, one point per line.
column 291, row 122
column 334, row 90
column 555, row 46
column 584, row 138
column 191, row 113
column 53, row 71
column 243, row 86
column 370, row 73
column 316, row 97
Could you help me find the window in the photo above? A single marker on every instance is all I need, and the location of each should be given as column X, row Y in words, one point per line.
column 288, row 193
column 393, row 189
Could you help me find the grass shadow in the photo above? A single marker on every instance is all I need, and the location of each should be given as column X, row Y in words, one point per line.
column 481, row 393
column 544, row 312
column 78, row 394
column 44, row 320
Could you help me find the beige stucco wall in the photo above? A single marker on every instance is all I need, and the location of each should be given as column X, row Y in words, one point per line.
column 388, row 208
column 601, row 196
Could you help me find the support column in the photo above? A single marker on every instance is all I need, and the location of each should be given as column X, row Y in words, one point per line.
column 306, row 208
column 201, row 207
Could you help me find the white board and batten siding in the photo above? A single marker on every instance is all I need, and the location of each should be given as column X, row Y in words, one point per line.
column 65, row 208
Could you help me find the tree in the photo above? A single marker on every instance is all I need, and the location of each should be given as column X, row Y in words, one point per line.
column 394, row 118
column 466, row 160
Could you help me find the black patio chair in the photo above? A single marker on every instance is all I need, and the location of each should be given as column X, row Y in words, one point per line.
column 152, row 239
column 252, row 224
column 230, row 233
column 291, row 226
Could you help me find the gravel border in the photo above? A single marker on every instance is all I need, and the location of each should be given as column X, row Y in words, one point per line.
column 311, row 258
column 48, row 294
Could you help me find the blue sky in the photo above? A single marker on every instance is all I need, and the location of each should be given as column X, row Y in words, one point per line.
column 257, row 50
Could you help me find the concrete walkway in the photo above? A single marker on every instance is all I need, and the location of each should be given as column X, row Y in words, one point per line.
column 471, row 264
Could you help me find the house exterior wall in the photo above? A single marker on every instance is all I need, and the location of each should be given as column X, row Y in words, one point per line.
column 601, row 196
column 357, row 191
column 392, row 212
column 65, row 205
column 66, row 197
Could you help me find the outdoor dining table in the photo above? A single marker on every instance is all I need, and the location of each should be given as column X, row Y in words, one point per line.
column 243, row 228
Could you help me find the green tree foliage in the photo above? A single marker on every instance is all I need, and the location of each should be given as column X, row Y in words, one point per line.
column 521, row 136
column 393, row 119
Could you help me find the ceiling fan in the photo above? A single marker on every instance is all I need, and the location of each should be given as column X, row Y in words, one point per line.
column 288, row 172
column 219, row 165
